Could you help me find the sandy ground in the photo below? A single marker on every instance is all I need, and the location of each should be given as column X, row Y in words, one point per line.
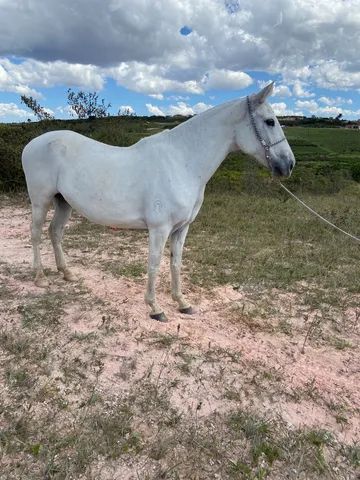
column 300, row 387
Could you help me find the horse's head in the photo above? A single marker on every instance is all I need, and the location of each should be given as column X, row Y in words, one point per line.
column 261, row 135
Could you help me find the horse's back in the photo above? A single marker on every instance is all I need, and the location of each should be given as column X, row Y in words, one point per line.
column 98, row 180
column 54, row 145
column 132, row 187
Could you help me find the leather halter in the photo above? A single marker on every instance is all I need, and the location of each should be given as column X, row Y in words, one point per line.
column 263, row 142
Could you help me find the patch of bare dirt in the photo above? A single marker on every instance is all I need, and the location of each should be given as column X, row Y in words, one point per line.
column 214, row 360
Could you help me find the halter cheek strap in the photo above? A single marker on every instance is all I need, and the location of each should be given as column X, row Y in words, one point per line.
column 263, row 142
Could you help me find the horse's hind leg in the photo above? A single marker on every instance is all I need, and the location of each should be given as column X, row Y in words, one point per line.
column 56, row 231
column 39, row 212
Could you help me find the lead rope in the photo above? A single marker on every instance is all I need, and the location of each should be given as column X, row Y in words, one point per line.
column 318, row 215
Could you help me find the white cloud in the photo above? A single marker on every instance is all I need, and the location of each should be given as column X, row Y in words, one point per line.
column 334, row 111
column 226, row 80
column 150, row 79
column 299, row 91
column 11, row 111
column 157, row 96
column 282, row 91
column 11, row 83
column 309, row 105
column 335, row 101
column 65, row 111
column 279, row 90
column 282, row 110
column 337, row 75
column 16, row 77
column 180, row 108
column 178, row 97
column 154, row 110
column 126, row 110
column 329, row 111
column 49, row 111
column 314, row 108
column 292, row 74
column 201, row 107
column 138, row 43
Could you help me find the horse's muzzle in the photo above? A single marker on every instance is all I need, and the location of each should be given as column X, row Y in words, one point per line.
column 282, row 168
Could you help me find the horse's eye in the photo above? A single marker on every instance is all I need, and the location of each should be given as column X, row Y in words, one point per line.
column 270, row 122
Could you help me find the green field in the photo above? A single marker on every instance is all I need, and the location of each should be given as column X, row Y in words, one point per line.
column 326, row 157
column 90, row 385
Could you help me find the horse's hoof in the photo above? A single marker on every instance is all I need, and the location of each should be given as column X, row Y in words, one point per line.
column 159, row 317
column 70, row 277
column 42, row 282
column 187, row 310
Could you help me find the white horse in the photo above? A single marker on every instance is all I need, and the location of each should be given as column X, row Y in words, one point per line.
column 157, row 184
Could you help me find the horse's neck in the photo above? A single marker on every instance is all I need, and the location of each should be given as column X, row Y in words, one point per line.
column 207, row 138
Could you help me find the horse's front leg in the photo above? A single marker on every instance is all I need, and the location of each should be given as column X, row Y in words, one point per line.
column 177, row 241
column 157, row 241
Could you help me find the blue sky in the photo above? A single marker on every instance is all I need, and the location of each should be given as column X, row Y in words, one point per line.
column 171, row 57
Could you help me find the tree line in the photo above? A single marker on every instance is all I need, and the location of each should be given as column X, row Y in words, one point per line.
column 83, row 105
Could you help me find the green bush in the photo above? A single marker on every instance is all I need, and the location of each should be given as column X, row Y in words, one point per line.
column 327, row 159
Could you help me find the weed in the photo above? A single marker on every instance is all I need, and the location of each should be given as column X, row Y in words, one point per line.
column 285, row 327
column 83, row 337
column 19, row 377
column 122, row 269
column 128, row 366
column 46, row 310
column 340, row 343
column 310, row 444
column 163, row 340
column 251, row 425
column 318, row 437
column 352, row 453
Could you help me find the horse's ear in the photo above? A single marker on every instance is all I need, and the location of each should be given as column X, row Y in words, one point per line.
column 261, row 96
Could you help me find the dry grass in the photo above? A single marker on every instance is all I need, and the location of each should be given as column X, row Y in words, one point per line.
column 92, row 389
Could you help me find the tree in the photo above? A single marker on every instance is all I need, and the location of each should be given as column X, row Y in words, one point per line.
column 38, row 110
column 86, row 104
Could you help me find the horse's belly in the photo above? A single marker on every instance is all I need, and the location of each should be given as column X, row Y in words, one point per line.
column 106, row 210
column 108, row 215
column 113, row 221
column 103, row 198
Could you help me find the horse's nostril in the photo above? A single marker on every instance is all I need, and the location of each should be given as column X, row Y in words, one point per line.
column 291, row 166
column 277, row 171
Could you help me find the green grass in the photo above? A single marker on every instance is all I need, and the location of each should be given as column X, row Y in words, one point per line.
column 41, row 311
column 56, row 423
column 327, row 157
column 267, row 242
column 271, row 443
column 123, row 268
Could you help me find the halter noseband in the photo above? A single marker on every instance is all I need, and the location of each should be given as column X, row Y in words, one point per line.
column 263, row 142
